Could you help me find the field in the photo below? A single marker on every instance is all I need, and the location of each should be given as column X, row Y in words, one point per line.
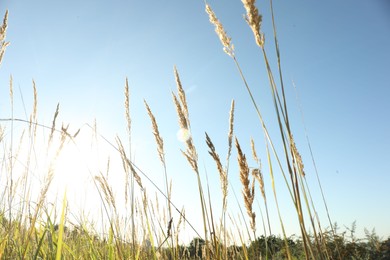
column 144, row 222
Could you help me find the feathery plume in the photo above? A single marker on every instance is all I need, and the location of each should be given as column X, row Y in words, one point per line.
column 191, row 151
column 254, row 154
column 35, row 106
column 180, row 113
column 248, row 190
column 127, row 164
column 33, row 116
column 3, row 28
column 254, row 19
column 256, row 172
column 107, row 190
column 228, row 47
column 169, row 227
column 127, row 105
column 297, row 156
column 53, row 126
column 3, row 32
column 156, row 133
column 222, row 173
column 182, row 95
column 230, row 133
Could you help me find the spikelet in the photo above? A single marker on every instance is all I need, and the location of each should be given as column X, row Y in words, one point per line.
column 228, row 47
column 222, row 173
column 182, row 95
column 3, row 28
column 107, row 190
column 181, row 217
column 53, row 125
column 193, row 163
column 254, row 19
column 127, row 164
column 35, row 106
column 33, row 117
column 184, row 124
column 144, row 201
column 297, row 156
column 256, row 172
column 127, row 105
column 248, row 190
column 77, row 133
column 169, row 227
column 254, row 154
column 156, row 133
column 230, row 133
column 3, row 32
column 180, row 113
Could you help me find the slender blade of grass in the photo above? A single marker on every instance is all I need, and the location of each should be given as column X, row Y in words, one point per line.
column 61, row 229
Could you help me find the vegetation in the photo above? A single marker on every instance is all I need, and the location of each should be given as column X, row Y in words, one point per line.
column 31, row 227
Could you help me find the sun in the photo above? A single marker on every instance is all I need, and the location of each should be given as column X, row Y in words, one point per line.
column 78, row 162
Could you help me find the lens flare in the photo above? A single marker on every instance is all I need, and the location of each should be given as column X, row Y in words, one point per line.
column 183, row 135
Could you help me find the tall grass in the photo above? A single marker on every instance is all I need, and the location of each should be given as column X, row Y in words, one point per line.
column 28, row 228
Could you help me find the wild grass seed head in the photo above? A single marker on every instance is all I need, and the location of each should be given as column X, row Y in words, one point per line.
column 228, row 47
column 254, row 19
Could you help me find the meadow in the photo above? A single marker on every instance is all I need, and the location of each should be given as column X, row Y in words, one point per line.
column 141, row 226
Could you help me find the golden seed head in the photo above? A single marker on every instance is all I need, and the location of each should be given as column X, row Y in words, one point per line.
column 181, row 93
column 259, row 177
column 230, row 133
column 156, row 133
column 222, row 172
column 3, row 28
column 248, row 190
column 254, row 19
column 3, row 32
column 180, row 112
column 254, row 154
column 127, row 105
column 35, row 107
column 297, row 156
column 228, row 47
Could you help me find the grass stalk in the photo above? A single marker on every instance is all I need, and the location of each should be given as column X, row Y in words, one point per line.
column 11, row 169
column 190, row 154
column 160, row 150
column 276, row 202
column 315, row 167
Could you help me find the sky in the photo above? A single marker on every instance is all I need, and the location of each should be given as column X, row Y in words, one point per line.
column 336, row 53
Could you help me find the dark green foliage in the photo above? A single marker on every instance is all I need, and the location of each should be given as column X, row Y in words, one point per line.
column 372, row 247
column 196, row 246
column 276, row 248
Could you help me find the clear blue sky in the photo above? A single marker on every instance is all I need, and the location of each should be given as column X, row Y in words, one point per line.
column 337, row 53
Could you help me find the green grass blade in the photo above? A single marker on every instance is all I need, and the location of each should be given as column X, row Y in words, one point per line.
column 39, row 245
column 61, row 229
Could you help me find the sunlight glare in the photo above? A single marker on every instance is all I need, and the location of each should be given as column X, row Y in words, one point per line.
column 183, row 135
